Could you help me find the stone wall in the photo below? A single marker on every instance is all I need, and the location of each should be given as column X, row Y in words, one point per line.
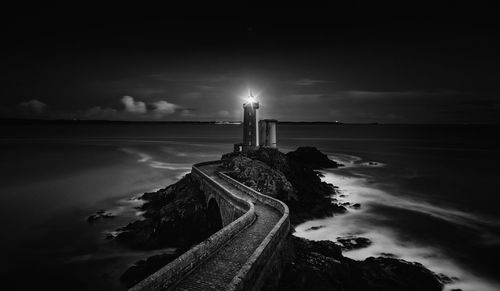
column 265, row 266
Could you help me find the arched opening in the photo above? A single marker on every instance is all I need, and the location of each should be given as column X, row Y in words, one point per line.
column 213, row 217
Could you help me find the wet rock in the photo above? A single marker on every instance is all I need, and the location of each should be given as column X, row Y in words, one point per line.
column 174, row 216
column 312, row 157
column 101, row 214
column 315, row 227
column 446, row 279
column 319, row 265
column 338, row 209
column 390, row 255
column 348, row 243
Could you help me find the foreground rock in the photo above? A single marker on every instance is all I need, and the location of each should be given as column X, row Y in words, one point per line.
column 174, row 216
column 321, row 266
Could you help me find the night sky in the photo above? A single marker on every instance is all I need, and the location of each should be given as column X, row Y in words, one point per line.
column 348, row 63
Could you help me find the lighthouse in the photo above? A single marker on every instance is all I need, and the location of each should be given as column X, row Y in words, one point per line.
column 255, row 133
column 250, row 124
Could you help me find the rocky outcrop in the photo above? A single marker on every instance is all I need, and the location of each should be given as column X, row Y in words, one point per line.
column 320, row 266
column 261, row 177
column 289, row 178
column 312, row 157
column 174, row 216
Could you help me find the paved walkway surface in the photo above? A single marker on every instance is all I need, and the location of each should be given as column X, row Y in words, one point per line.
column 217, row 271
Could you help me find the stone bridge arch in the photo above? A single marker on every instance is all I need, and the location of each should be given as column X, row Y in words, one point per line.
column 229, row 212
column 214, row 217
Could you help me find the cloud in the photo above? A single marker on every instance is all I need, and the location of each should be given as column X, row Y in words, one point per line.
column 33, row 106
column 162, row 108
column 132, row 106
column 133, row 110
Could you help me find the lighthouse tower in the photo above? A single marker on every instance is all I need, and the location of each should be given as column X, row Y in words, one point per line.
column 250, row 124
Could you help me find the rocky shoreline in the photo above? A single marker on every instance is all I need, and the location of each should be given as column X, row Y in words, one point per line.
column 176, row 216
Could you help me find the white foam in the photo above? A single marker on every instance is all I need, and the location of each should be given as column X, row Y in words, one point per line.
column 384, row 240
column 169, row 166
column 143, row 157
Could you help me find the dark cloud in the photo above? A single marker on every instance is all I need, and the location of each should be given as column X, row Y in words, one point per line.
column 33, row 106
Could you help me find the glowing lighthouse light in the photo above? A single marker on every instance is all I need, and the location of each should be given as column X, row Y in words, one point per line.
column 250, row 99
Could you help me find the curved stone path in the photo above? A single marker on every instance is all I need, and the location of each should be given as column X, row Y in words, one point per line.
column 218, row 270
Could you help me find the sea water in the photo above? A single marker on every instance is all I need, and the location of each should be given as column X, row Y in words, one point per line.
column 429, row 195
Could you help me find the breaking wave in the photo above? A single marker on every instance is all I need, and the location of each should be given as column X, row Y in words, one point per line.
column 355, row 187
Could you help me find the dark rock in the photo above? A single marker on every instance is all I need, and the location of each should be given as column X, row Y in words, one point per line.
column 312, row 157
column 356, row 205
column 321, row 266
column 446, row 279
column 338, row 209
column 395, row 274
column 315, row 227
column 100, row 214
column 174, row 216
column 352, row 242
column 261, row 177
column 390, row 255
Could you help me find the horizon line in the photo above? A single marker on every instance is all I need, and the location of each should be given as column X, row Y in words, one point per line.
column 222, row 122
